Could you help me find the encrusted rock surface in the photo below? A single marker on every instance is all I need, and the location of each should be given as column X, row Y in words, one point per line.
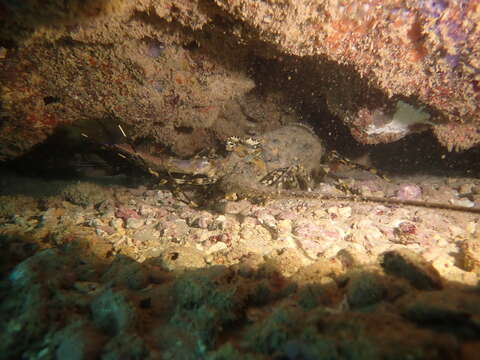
column 186, row 74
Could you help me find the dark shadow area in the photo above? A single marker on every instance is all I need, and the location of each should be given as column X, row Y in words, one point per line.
column 307, row 86
column 69, row 156
column 20, row 19
column 75, row 152
column 422, row 154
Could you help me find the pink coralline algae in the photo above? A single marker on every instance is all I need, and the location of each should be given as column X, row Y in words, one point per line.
column 406, row 228
column 307, row 230
column 409, row 192
column 126, row 213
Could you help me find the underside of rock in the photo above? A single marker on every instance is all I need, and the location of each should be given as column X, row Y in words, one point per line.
column 188, row 74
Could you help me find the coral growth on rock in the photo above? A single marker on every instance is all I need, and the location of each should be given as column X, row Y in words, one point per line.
column 182, row 72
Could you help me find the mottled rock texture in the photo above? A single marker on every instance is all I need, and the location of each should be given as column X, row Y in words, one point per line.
column 187, row 74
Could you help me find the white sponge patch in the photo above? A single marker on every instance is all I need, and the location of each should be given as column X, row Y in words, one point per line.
column 404, row 117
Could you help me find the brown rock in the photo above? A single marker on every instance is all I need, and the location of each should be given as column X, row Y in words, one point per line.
column 469, row 255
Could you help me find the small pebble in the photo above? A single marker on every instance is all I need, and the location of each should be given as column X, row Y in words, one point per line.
column 125, row 213
column 235, row 207
column 105, row 206
column 95, row 222
column 134, row 223
column 264, row 217
column 409, row 192
column 116, row 223
column 148, row 211
column 307, row 229
column 284, row 226
column 216, row 247
column 249, row 221
column 469, row 255
column 465, row 189
column 287, row 215
column 202, row 220
column 345, row 212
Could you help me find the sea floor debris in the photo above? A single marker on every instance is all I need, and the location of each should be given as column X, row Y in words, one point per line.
column 120, row 271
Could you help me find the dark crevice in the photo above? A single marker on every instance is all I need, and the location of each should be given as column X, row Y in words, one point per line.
column 298, row 80
column 47, row 100
column 184, row 129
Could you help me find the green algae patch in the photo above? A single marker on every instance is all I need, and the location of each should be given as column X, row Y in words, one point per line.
column 205, row 304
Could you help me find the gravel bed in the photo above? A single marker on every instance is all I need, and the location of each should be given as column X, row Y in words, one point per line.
column 115, row 272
